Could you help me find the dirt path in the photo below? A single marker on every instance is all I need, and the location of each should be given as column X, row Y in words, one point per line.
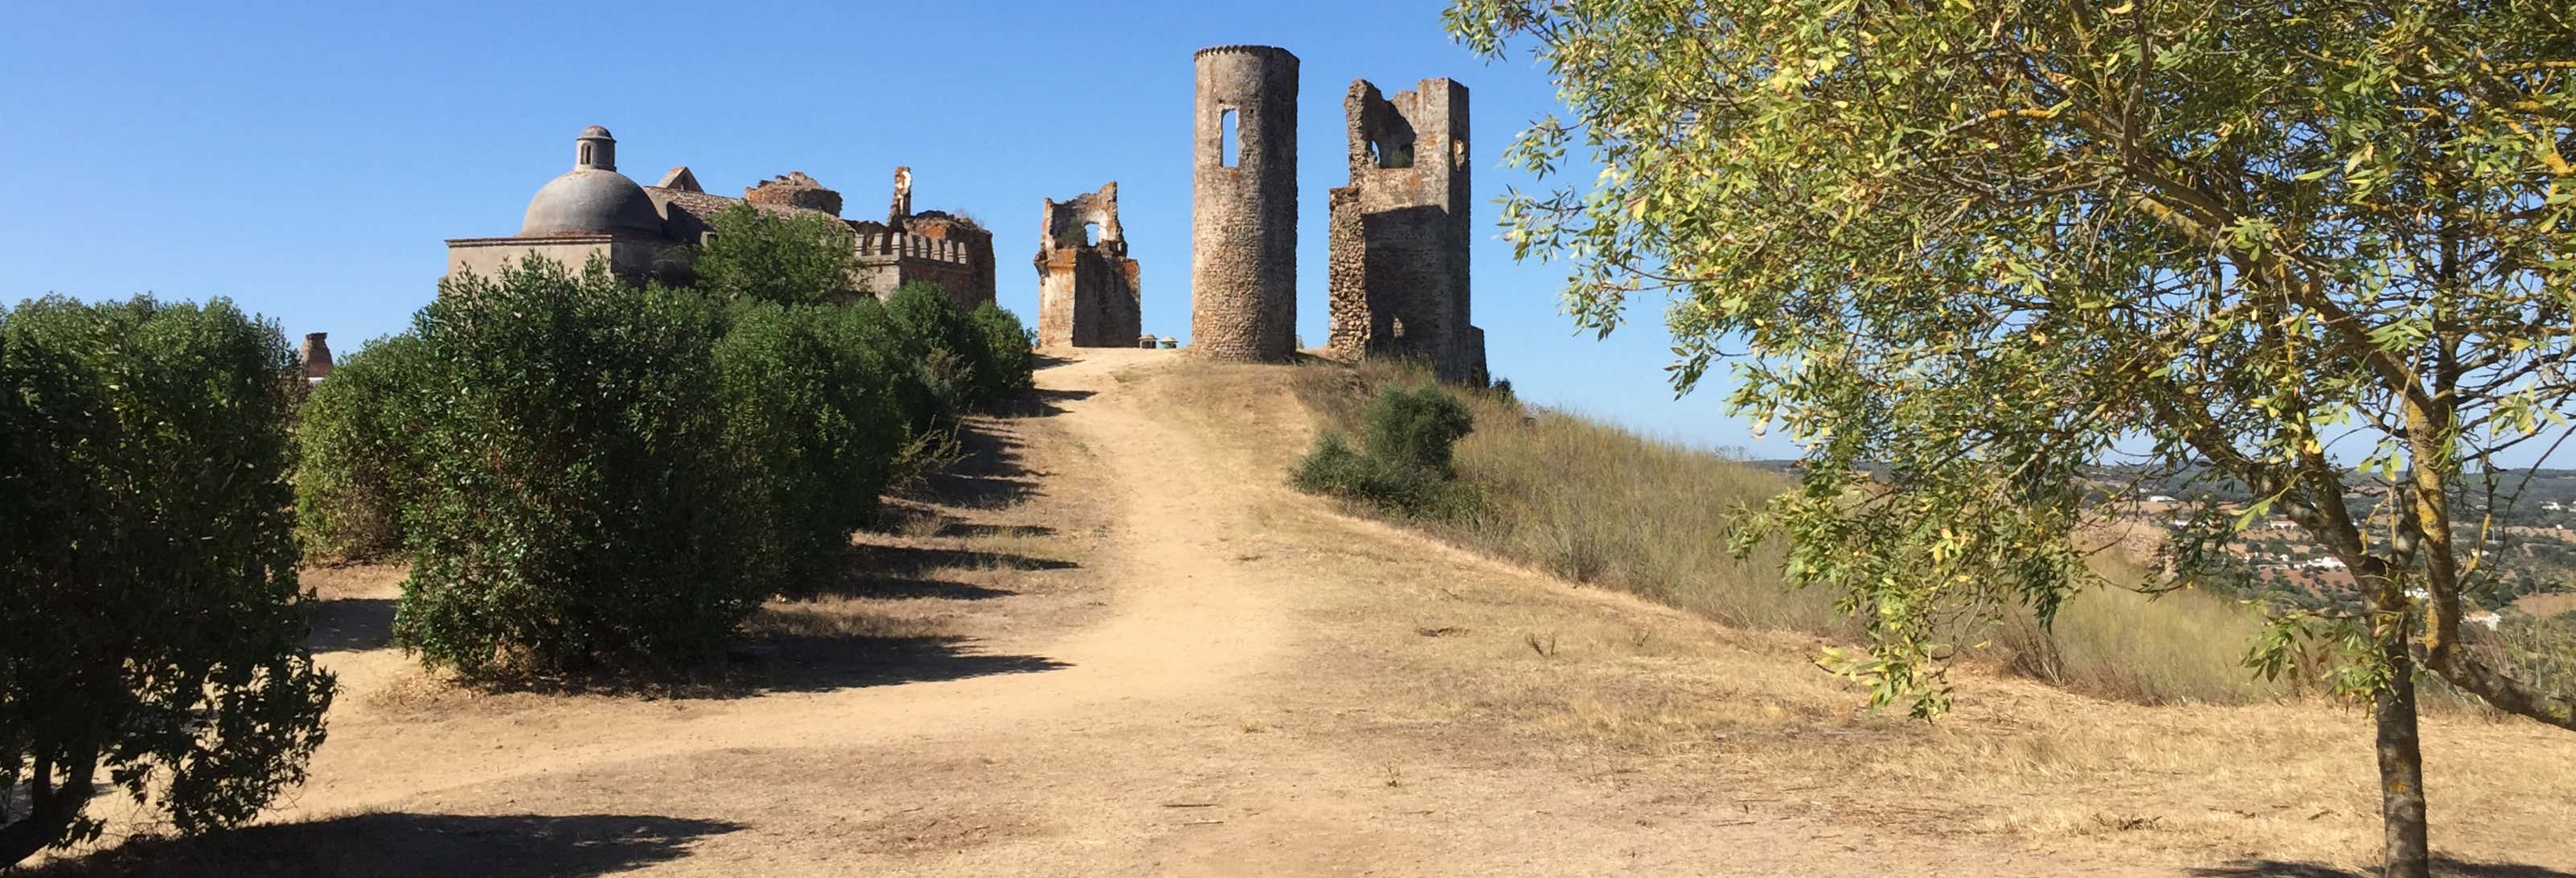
column 1120, row 647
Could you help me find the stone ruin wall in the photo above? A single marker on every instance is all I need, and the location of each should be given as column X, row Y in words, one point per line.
column 1243, row 236
column 1401, row 232
column 1089, row 295
column 793, row 189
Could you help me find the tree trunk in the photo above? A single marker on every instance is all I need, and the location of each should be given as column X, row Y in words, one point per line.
column 50, row 810
column 2401, row 765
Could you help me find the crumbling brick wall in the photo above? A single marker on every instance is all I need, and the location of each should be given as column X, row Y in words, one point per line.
column 1243, row 237
column 1401, row 232
column 1088, row 292
column 794, row 189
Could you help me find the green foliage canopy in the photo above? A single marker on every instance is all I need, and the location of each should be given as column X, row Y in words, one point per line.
column 580, row 507
column 1990, row 244
column 799, row 258
column 151, row 625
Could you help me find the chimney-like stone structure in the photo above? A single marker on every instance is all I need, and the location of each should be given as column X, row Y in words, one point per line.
column 1243, row 235
column 315, row 354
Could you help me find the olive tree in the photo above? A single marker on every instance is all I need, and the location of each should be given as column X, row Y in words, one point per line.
column 151, row 633
column 2321, row 249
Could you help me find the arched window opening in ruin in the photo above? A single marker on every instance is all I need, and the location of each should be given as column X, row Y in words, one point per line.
column 1393, row 154
column 1227, row 145
column 1091, row 234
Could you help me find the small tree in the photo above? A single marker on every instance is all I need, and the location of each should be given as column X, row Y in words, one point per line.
column 812, row 415
column 356, row 465
column 150, row 621
column 1009, row 357
column 580, row 507
column 2303, row 247
column 800, row 258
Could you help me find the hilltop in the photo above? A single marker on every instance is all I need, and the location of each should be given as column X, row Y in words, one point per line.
column 1114, row 642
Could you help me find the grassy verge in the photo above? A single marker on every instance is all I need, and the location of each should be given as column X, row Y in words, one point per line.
column 1597, row 504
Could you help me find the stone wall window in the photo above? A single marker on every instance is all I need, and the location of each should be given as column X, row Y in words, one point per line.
column 1228, row 146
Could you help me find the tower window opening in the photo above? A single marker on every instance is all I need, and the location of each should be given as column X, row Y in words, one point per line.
column 1227, row 145
column 1091, row 234
column 585, row 154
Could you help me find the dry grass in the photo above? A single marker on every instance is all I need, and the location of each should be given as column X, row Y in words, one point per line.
column 1597, row 504
column 2547, row 604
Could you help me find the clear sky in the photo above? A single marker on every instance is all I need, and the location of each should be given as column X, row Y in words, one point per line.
column 307, row 160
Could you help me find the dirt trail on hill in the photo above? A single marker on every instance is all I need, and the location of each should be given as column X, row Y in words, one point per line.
column 1117, row 645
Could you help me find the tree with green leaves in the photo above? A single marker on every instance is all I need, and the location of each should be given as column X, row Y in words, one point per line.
column 798, row 258
column 2319, row 249
column 151, row 625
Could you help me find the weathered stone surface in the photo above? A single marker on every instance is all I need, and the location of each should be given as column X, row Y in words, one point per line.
column 1089, row 292
column 1243, row 237
column 1400, row 233
column 793, row 189
column 315, row 355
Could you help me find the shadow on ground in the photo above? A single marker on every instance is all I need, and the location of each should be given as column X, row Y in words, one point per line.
column 2444, row 867
column 403, row 845
column 823, row 663
column 1036, row 403
column 351, row 625
column 988, row 474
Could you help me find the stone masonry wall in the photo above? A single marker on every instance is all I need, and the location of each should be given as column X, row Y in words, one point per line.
column 1088, row 293
column 1401, row 232
column 1243, row 236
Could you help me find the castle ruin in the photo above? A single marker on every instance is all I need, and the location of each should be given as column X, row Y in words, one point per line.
column 1243, row 235
column 653, row 232
column 1088, row 290
column 1400, row 233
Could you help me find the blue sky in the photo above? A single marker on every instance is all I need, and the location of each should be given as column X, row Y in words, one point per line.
column 308, row 160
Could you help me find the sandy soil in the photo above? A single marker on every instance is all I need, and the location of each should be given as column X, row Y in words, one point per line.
column 1115, row 644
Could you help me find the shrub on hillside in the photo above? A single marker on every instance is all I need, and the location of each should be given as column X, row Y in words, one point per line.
column 1403, row 465
column 1417, row 427
column 1009, row 357
column 944, row 339
column 785, row 259
column 811, row 414
column 580, row 506
column 150, row 620
column 355, row 465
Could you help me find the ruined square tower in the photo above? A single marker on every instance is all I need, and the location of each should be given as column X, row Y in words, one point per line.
column 1400, row 233
column 1088, row 291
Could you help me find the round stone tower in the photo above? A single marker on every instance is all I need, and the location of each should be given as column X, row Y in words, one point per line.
column 1243, row 235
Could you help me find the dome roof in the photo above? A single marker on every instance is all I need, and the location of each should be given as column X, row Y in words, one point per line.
column 591, row 201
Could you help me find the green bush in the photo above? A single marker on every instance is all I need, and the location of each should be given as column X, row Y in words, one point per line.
column 1405, row 467
column 581, row 508
column 150, row 619
column 1417, row 426
column 947, row 343
column 786, row 259
column 355, row 467
column 1008, row 365
column 811, row 412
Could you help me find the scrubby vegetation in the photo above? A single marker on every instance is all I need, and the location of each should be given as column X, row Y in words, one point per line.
column 150, row 625
column 1597, row 504
column 591, row 477
column 583, row 506
column 1403, row 465
column 355, row 468
column 779, row 258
